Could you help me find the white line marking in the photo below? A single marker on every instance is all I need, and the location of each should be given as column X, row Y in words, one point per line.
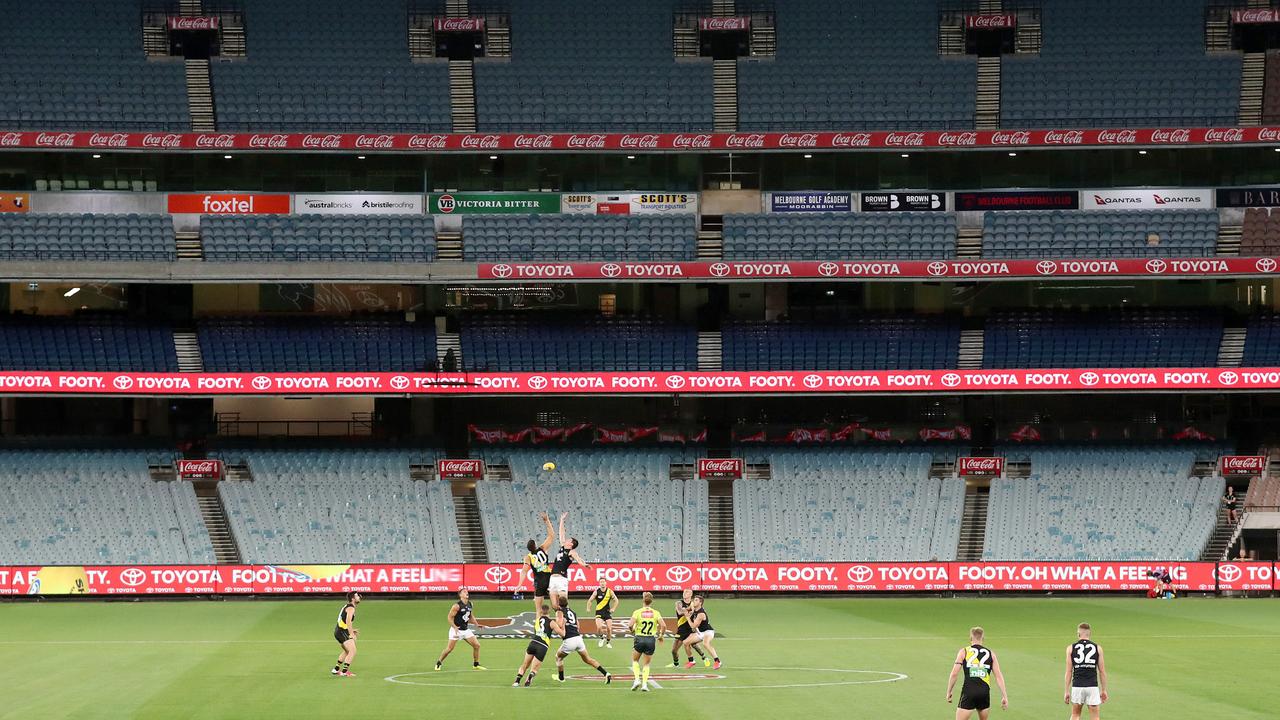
column 550, row 678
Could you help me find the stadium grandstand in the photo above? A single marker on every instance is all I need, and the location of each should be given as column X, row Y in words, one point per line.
column 824, row 312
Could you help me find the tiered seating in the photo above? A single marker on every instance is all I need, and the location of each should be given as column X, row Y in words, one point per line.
column 574, row 67
column 1103, row 504
column 1131, row 233
column 1264, row 493
column 343, row 506
column 1128, row 339
column 1151, row 69
column 95, row 507
column 327, row 65
column 299, row 343
column 82, row 68
column 1261, row 232
column 846, row 65
column 90, row 342
column 397, row 238
column 579, row 237
column 839, row 504
column 872, row 343
column 86, row 237
column 510, row 343
column 622, row 505
column 1271, row 90
column 828, row 236
column 1262, row 341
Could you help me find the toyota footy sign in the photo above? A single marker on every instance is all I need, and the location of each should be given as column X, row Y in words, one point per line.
column 980, row 466
column 1242, row 465
column 206, row 469
column 460, row 469
column 719, row 468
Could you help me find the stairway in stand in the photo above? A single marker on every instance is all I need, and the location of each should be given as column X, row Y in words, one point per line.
column 710, row 351
column 470, row 529
column 972, row 347
column 1231, row 347
column 189, row 245
column 1224, row 533
column 187, row 346
column 462, row 95
column 987, row 111
column 445, row 342
column 215, row 521
column 200, row 96
column 973, row 526
column 1253, row 77
column 721, row 545
column 724, row 75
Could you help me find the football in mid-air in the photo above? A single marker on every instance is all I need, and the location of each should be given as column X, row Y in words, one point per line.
column 548, row 466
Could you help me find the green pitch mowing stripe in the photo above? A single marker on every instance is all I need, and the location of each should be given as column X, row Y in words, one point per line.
column 795, row 659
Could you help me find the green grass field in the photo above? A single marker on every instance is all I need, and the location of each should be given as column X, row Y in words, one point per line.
column 1191, row 658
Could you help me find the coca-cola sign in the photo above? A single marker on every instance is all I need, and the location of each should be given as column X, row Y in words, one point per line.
column 798, row 140
column 851, row 140
column 464, row 24
column 640, row 142
column 166, row 141
column 481, row 142
column 460, row 469
column 1242, row 464
column 374, row 142
column 1224, row 135
column 724, row 24
column 206, row 22
column 586, row 142
column 109, row 140
column 990, row 22
column 11, row 139
column 980, row 466
column 65, row 139
column 534, row 142
column 1117, row 137
column 958, row 139
column 269, row 142
column 220, row 141
column 206, row 469
column 1001, row 137
column 322, row 142
column 1255, row 16
column 1064, row 137
column 1171, row 136
column 720, row 467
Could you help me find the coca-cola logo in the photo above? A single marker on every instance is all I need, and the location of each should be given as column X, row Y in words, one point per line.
column 980, row 465
column 275, row 141
column 497, row 575
column 1256, row 15
column 692, row 142
column 851, row 140
column 1064, row 137
column 1224, row 135
column 374, row 142
column 1243, row 464
column 324, row 142
column 586, row 142
column 193, row 23
column 224, row 140
column 1002, row 137
column 198, row 466
column 113, row 140
column 1170, row 135
column 470, row 467
column 897, row 139
column 162, row 140
column 989, row 22
column 724, row 23
column 749, row 140
column 642, row 142
column 720, row 465
column 1269, row 134
column 459, row 24
column 55, row 139
column 11, row 139
column 533, row 142
column 481, row 142
column 805, row 140
column 428, row 142
column 958, row 139
column 1117, row 137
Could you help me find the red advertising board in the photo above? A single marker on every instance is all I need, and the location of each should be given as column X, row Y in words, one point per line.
column 990, row 22
column 464, row 468
column 714, row 24
column 206, row 469
column 635, row 577
column 984, row 269
column 205, row 22
column 980, row 466
column 719, row 467
column 228, row 203
column 691, row 142
column 1242, row 464
column 464, row 24
column 1255, row 16
column 762, row 382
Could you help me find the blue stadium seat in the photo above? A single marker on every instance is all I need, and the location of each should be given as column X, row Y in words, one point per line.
column 1120, row 339
column 1076, row 233
column 352, row 238
column 376, row 343
column 579, row 237
column 511, row 343
column 88, row 342
column 834, row 236
column 874, row 343
column 87, row 237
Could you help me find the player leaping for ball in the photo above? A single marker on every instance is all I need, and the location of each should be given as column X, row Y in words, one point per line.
column 460, row 614
column 649, row 629
column 567, row 556
column 536, row 563
column 566, row 626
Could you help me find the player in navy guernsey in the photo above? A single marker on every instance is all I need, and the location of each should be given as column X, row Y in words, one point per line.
column 567, row 556
column 345, row 633
column 1086, row 677
column 700, row 625
column 979, row 666
column 460, row 615
column 536, row 651
column 538, row 564
column 566, row 626
column 684, row 608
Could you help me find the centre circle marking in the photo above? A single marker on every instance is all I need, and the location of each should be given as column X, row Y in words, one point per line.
column 878, row 677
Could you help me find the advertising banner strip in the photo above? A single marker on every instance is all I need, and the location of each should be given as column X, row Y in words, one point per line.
column 903, row 202
column 1019, row 200
column 228, row 204
column 762, row 382
column 1147, row 199
column 108, row 580
column 496, row 203
column 358, row 204
column 982, row 269
column 694, row 142
column 814, row 201
column 991, row 22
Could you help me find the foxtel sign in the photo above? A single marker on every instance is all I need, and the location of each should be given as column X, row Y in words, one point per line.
column 762, row 382
column 1034, row 576
column 978, row 269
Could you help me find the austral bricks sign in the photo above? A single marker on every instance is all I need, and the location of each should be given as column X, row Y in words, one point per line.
column 680, row 142
column 1044, row 576
column 764, row 382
